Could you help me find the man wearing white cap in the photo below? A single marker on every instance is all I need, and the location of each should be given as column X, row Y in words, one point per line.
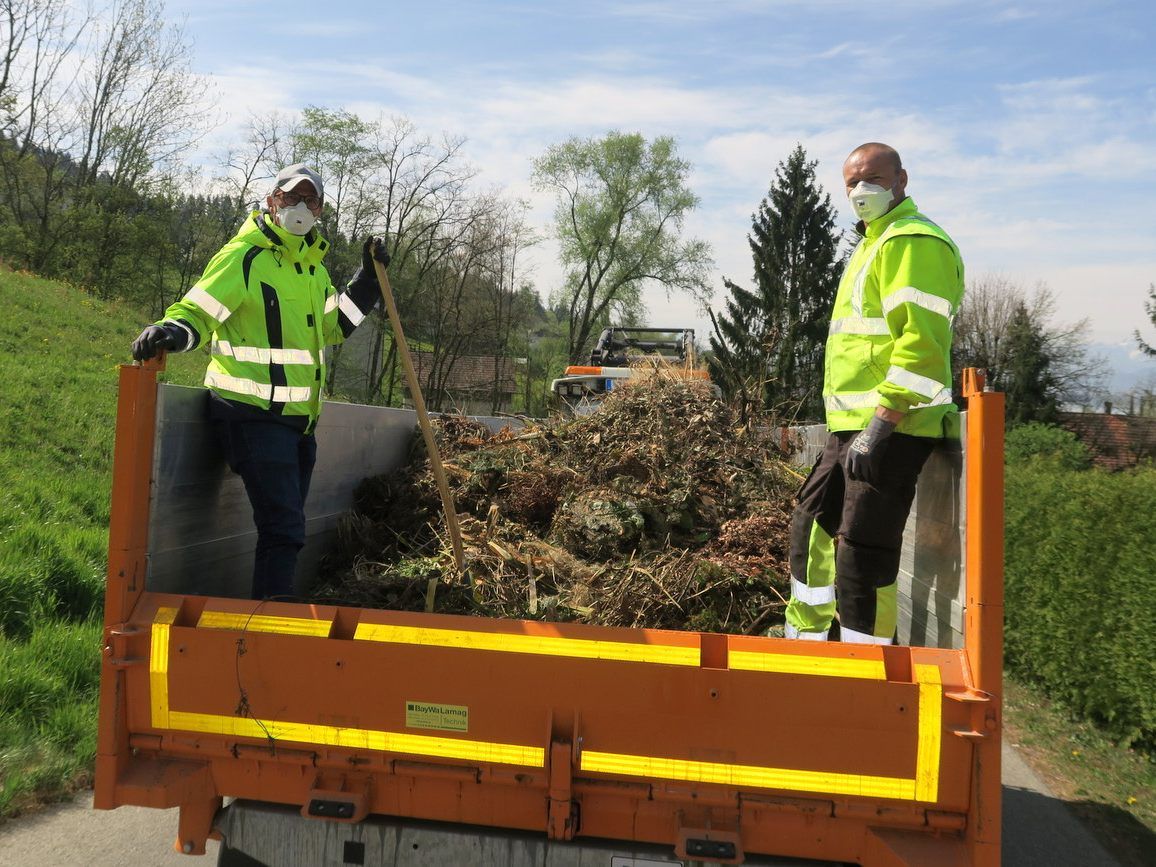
column 267, row 309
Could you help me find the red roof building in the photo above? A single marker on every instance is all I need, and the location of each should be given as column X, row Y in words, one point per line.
column 1116, row 442
column 468, row 385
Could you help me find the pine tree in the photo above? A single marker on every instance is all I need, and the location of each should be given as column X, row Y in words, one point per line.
column 768, row 343
column 1150, row 309
column 1027, row 380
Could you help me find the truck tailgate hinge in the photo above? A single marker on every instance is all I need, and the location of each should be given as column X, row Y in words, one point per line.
column 118, row 645
column 982, row 717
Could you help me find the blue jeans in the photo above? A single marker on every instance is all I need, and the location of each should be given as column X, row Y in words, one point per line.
column 276, row 464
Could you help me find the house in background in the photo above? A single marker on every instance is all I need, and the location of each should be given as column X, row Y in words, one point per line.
column 470, row 385
column 1116, row 442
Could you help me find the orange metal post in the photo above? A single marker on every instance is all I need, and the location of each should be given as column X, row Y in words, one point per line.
column 127, row 562
column 983, row 641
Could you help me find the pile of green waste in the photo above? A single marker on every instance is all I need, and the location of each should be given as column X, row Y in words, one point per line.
column 658, row 510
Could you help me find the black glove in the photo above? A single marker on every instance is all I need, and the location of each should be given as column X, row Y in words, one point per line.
column 374, row 248
column 365, row 280
column 865, row 455
column 154, row 339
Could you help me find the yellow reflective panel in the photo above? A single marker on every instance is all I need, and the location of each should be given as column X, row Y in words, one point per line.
column 925, row 786
column 749, row 776
column 789, row 663
column 366, row 739
column 159, row 666
column 930, row 732
column 542, row 645
column 264, row 623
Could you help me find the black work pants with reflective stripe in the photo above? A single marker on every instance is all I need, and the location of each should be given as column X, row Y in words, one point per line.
column 857, row 575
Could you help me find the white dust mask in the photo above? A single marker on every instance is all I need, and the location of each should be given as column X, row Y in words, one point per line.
column 297, row 220
column 870, row 201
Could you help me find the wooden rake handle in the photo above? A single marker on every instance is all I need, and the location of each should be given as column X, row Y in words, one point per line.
column 423, row 422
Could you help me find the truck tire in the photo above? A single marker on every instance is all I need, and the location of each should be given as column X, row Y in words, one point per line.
column 227, row 857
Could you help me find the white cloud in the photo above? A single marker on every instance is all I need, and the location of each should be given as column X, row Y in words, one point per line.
column 302, row 29
column 1015, row 13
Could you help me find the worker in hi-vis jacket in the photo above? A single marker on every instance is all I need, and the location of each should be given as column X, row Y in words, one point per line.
column 887, row 395
column 266, row 308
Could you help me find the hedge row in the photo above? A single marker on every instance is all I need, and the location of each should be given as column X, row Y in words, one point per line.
column 1081, row 592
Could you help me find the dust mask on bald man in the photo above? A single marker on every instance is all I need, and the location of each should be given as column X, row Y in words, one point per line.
column 870, row 201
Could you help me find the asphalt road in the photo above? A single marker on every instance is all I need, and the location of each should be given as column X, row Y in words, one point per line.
column 1038, row 831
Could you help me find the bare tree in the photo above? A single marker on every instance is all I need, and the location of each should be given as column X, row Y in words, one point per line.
column 41, row 36
column 139, row 106
column 97, row 112
column 984, row 325
column 503, row 284
column 470, row 305
column 419, row 189
column 249, row 166
column 38, row 37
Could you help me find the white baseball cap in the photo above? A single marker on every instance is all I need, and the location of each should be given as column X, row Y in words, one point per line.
column 291, row 176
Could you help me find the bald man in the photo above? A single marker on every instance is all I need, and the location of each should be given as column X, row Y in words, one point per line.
column 887, row 396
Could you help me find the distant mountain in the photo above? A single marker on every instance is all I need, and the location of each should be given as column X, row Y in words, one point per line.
column 1131, row 369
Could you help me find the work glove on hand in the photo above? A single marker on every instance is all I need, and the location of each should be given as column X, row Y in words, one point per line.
column 154, row 339
column 865, row 455
column 374, row 248
column 366, row 276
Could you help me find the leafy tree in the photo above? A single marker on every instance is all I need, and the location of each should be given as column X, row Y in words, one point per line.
column 340, row 145
column 1150, row 309
column 768, row 344
column 621, row 206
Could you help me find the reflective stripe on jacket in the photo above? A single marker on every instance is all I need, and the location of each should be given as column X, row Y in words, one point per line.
column 889, row 342
column 267, row 308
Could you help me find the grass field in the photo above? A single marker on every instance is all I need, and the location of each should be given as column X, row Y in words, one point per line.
column 59, row 352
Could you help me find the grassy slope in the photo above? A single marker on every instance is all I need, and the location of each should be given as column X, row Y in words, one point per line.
column 59, row 352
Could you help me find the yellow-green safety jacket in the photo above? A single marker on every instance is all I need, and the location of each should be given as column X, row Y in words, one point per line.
column 268, row 307
column 889, row 342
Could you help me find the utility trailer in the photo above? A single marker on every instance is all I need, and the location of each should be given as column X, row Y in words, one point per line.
column 310, row 734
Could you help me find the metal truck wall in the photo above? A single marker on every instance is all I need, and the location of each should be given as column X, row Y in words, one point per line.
column 932, row 590
column 201, row 534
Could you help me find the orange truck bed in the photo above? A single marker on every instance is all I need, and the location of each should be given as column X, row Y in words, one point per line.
column 714, row 748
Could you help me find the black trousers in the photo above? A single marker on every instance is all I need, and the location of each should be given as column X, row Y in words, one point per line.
column 868, row 522
column 275, row 462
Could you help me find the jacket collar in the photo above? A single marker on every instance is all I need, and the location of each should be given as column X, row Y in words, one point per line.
column 260, row 231
column 877, row 227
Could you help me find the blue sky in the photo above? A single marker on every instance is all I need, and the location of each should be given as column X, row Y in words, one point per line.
column 1028, row 129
